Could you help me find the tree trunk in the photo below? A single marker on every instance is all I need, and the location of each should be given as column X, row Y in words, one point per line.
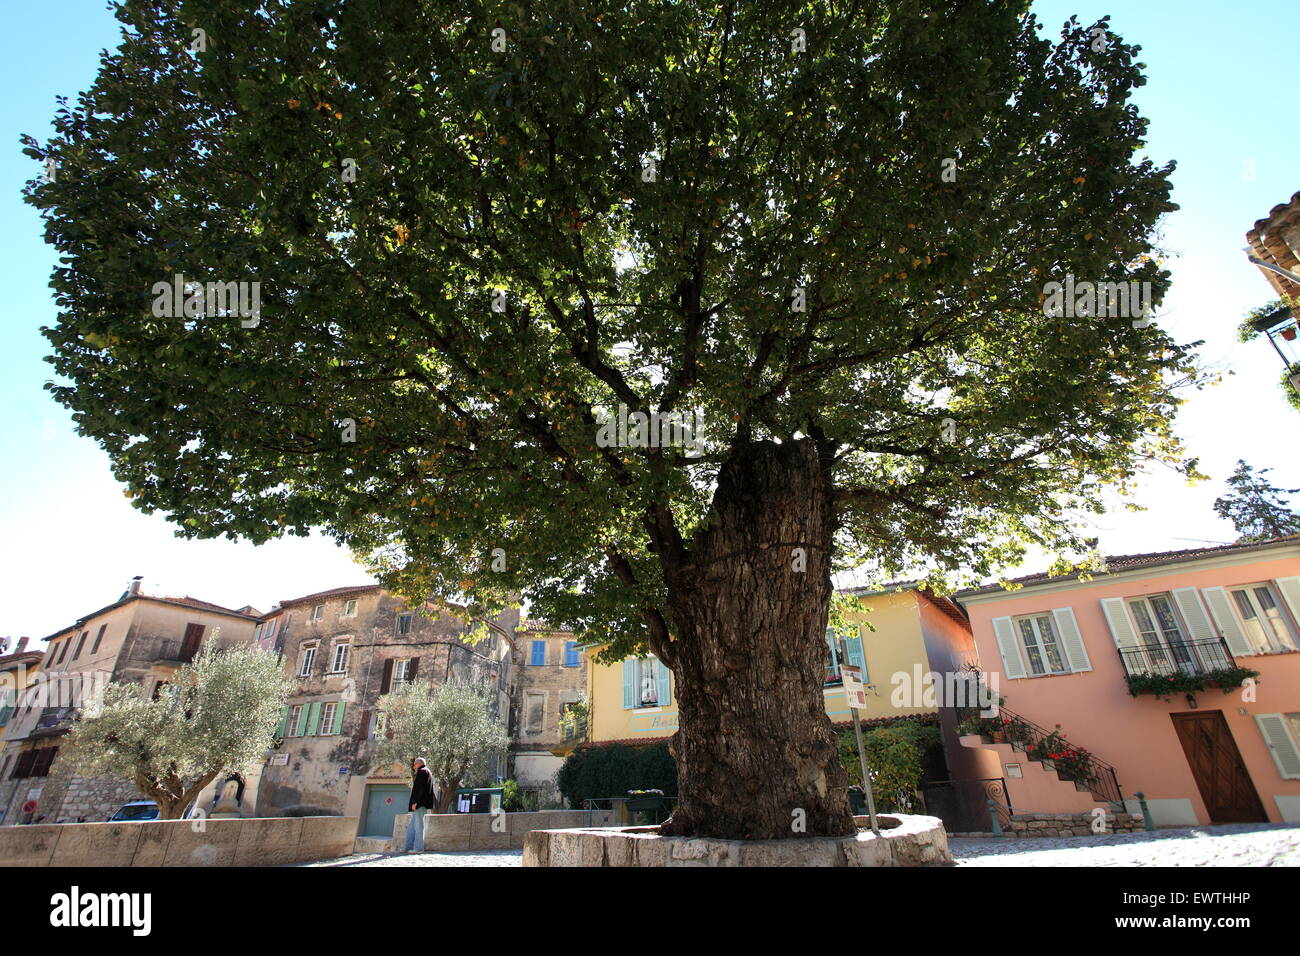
column 446, row 794
column 756, row 754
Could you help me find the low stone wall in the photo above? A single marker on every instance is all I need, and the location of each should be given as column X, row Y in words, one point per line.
column 256, row 841
column 448, row 832
column 1030, row 825
column 904, row 840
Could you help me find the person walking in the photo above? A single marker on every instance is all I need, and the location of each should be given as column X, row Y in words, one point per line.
column 421, row 801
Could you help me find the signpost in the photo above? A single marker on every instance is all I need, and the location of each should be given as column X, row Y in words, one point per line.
column 855, row 694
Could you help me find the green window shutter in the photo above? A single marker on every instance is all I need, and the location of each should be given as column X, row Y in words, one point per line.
column 857, row 656
column 663, row 677
column 629, row 684
column 284, row 722
column 338, row 718
column 313, row 718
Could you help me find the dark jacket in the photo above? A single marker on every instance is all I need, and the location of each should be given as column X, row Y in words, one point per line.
column 422, row 790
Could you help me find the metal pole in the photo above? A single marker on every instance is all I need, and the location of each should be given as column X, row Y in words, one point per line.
column 862, row 752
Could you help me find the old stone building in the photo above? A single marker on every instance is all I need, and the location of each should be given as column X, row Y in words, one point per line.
column 139, row 638
column 344, row 648
column 551, row 677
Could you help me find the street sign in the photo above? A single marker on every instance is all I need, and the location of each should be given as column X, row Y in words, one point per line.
column 854, row 690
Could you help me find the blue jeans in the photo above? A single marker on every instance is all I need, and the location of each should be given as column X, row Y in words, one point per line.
column 415, row 831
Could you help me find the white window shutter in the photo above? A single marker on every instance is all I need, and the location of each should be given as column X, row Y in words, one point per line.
column 1076, row 655
column 1290, row 590
column 1284, row 750
column 1198, row 623
column 1221, row 608
column 1121, row 628
column 1012, row 665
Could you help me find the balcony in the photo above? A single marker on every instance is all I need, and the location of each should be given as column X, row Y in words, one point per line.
column 1181, row 667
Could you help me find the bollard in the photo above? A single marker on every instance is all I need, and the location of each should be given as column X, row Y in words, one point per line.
column 993, row 815
column 1147, row 822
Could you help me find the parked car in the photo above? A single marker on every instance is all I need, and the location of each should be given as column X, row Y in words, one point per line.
column 140, row 810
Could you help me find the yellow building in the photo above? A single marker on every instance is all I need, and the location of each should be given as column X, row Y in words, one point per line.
column 901, row 635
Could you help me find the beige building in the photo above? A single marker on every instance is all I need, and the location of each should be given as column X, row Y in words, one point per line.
column 139, row 638
column 344, row 648
column 550, row 677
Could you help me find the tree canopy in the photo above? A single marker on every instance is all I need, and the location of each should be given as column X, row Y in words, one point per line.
column 1256, row 508
column 478, row 227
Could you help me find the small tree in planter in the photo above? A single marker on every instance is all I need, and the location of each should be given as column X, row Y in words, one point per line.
column 219, row 712
column 450, row 726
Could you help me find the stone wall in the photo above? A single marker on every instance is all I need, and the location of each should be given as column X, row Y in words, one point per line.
column 540, row 694
column 1063, row 825
column 474, row 831
column 249, row 842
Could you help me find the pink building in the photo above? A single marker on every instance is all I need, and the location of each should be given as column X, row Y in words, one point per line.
column 1072, row 651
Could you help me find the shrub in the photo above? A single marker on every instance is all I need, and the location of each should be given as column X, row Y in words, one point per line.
column 611, row 770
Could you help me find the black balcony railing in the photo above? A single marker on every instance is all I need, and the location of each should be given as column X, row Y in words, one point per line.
column 1177, row 657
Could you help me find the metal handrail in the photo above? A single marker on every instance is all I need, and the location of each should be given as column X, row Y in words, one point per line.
column 1179, row 657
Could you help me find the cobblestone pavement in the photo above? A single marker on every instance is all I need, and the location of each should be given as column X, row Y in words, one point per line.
column 1237, row 844
column 1233, row 844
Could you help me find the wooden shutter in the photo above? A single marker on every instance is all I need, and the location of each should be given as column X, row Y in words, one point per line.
column 193, row 638
column 23, row 768
column 386, row 682
column 539, row 653
column 313, row 718
column 1121, row 628
column 284, row 722
column 1221, row 608
column 338, row 718
column 629, row 684
column 1012, row 666
column 81, row 644
column 1067, row 629
column 1190, row 607
column 410, row 670
column 94, row 649
column 363, row 728
column 1289, row 588
column 857, row 656
column 663, row 680
column 1284, row 750
column 44, row 758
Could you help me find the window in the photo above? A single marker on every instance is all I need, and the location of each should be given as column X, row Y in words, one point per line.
column 570, row 653
column 306, row 660
column 538, row 652
column 270, row 628
column 327, row 719
column 295, row 721
column 646, row 683
column 833, row 675
column 98, row 637
column 534, row 713
column 23, row 765
column 81, row 644
column 63, row 650
column 350, row 608
column 1262, row 619
column 318, row 612
column 1041, row 646
column 339, row 664
column 404, row 622
column 403, row 672
column 44, row 760
column 379, row 725
column 1159, row 631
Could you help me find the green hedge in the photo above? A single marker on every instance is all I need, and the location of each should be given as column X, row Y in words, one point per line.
column 611, row 770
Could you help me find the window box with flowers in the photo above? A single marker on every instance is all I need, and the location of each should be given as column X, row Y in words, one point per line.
column 1165, row 686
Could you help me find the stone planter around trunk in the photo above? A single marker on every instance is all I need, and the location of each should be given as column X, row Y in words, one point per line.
column 905, row 840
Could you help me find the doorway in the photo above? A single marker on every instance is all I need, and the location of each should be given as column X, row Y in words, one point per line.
column 1221, row 776
column 383, row 803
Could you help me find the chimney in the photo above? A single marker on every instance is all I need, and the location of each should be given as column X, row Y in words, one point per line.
column 22, row 643
column 134, row 586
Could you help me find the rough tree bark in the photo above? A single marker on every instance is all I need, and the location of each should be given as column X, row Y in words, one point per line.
column 756, row 754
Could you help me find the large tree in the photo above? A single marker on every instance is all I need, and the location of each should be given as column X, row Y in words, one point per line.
column 217, row 713
column 824, row 228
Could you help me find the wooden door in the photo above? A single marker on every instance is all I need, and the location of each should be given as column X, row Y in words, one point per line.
column 193, row 638
column 1216, row 764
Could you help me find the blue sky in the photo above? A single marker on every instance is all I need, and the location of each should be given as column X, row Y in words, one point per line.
column 1217, row 101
